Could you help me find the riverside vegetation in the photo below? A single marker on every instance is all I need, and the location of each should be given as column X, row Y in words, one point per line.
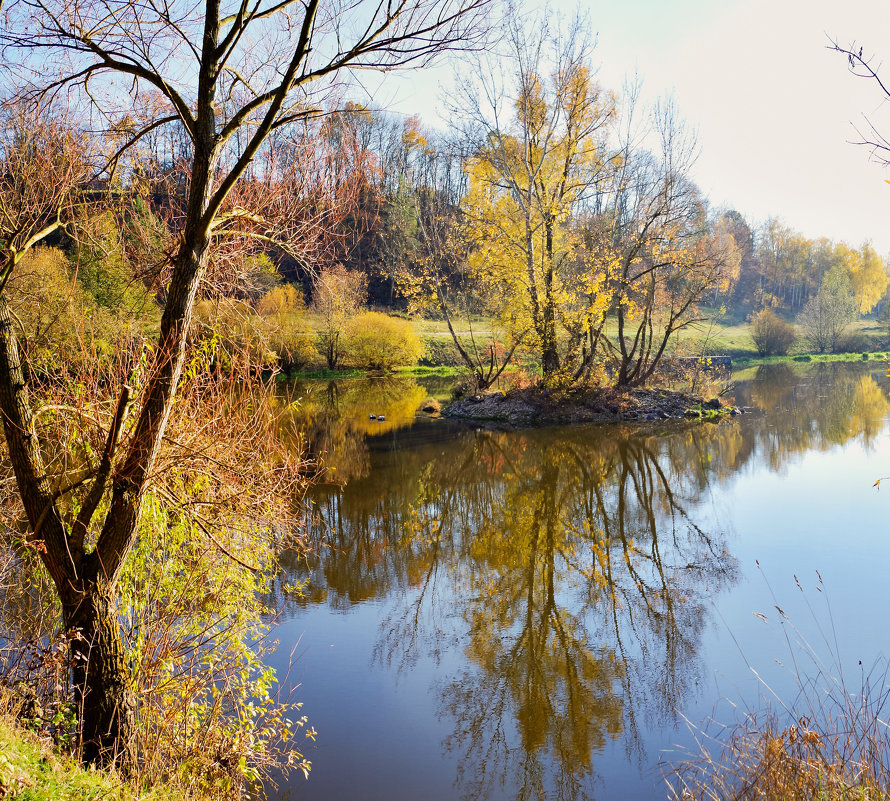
column 241, row 219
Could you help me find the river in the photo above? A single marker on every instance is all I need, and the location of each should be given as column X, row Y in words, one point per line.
column 555, row 613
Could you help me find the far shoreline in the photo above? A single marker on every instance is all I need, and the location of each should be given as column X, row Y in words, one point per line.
column 449, row 371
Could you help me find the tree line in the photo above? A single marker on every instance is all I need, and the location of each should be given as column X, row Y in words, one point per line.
column 168, row 161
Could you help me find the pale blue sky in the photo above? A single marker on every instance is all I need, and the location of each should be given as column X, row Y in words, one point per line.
column 772, row 106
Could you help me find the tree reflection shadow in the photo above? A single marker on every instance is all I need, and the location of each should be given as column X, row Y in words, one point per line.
column 569, row 567
column 581, row 584
column 572, row 567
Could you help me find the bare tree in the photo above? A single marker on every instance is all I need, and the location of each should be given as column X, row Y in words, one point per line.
column 232, row 75
column 339, row 294
column 863, row 65
column 651, row 229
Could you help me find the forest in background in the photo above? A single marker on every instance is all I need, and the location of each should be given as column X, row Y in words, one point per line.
column 405, row 220
column 169, row 245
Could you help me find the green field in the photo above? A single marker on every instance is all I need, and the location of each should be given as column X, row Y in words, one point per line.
column 719, row 335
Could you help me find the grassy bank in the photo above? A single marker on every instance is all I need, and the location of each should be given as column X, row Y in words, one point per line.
column 732, row 337
column 804, row 358
column 717, row 336
column 444, row 371
column 30, row 770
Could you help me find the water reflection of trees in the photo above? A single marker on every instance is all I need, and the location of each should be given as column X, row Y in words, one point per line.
column 572, row 566
column 569, row 566
column 333, row 418
column 817, row 407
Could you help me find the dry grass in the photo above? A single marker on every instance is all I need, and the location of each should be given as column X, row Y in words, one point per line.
column 829, row 759
column 832, row 743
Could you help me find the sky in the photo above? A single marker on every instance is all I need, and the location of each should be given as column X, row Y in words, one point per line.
column 774, row 109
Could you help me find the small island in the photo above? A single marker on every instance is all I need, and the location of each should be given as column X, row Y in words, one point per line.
column 521, row 408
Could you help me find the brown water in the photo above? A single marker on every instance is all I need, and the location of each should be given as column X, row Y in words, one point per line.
column 506, row 615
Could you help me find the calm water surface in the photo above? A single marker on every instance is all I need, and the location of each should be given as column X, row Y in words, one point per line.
column 511, row 615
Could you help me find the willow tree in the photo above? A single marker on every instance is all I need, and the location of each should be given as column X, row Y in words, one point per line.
column 230, row 73
column 541, row 123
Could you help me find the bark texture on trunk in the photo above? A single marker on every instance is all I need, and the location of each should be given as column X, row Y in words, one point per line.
column 100, row 674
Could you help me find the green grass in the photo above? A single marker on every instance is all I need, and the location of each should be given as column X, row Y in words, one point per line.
column 428, row 327
column 439, row 370
column 715, row 338
column 330, row 375
column 808, row 357
column 30, row 771
column 324, row 374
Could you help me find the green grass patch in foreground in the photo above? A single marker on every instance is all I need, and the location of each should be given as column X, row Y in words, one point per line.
column 31, row 771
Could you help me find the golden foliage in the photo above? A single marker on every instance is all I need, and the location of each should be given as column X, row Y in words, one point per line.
column 377, row 341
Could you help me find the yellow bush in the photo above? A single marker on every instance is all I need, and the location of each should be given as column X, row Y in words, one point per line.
column 376, row 341
column 295, row 350
column 284, row 299
column 283, row 311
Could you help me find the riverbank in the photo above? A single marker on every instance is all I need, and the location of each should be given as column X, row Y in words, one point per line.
column 30, row 769
column 537, row 407
column 448, row 371
column 753, row 361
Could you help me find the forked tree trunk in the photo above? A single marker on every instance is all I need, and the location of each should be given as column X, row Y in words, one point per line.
column 86, row 581
column 102, row 694
column 549, row 347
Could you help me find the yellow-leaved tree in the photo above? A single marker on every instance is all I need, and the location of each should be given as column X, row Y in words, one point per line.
column 541, row 125
column 868, row 277
column 657, row 252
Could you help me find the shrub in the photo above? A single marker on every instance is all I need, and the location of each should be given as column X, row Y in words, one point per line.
column 854, row 342
column 283, row 312
column 295, row 350
column 62, row 327
column 376, row 341
column 771, row 334
column 281, row 300
column 826, row 317
column 108, row 277
column 234, row 336
column 338, row 295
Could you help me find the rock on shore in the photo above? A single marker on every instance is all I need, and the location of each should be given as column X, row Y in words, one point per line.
column 537, row 407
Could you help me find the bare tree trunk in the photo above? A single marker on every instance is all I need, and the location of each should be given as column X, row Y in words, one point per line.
column 549, row 347
column 100, row 675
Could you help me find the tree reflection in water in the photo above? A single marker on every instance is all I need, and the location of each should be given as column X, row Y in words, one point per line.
column 566, row 563
column 572, row 567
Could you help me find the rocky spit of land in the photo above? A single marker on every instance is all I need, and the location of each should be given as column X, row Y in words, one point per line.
column 538, row 407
